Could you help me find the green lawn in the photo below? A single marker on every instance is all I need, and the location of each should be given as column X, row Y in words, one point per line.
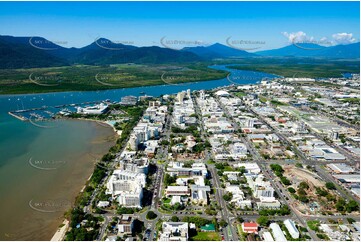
column 167, row 200
column 262, row 99
column 240, row 94
column 313, row 225
column 207, row 236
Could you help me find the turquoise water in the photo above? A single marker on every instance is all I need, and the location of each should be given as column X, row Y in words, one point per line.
column 41, row 164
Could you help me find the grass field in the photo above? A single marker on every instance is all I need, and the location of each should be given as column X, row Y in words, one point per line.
column 87, row 78
column 313, row 225
column 206, row 236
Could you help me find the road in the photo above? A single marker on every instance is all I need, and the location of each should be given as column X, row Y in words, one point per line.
column 225, row 214
column 269, row 174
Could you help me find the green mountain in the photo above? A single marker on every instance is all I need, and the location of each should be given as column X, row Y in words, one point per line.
column 28, row 52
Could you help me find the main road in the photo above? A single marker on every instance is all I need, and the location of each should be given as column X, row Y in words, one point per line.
column 269, row 174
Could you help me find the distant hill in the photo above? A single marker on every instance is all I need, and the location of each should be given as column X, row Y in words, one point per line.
column 28, row 52
column 314, row 50
column 17, row 52
column 218, row 51
column 103, row 51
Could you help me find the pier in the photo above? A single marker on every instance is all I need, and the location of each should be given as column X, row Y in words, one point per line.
column 16, row 113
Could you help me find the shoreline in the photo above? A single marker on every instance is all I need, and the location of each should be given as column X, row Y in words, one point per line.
column 61, row 231
column 110, row 89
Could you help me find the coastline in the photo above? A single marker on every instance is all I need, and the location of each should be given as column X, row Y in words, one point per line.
column 59, row 234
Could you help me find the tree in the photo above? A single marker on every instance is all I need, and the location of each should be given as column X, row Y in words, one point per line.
column 219, row 166
column 330, row 186
column 303, row 199
column 151, row 215
column 320, row 192
column 340, row 205
column 223, row 223
column 177, row 206
column 174, row 219
column 352, row 206
column 291, row 190
column 164, row 142
column 285, row 181
column 303, row 185
column 263, row 221
column 228, row 196
column 168, row 179
column 350, row 220
column 301, row 192
column 276, row 167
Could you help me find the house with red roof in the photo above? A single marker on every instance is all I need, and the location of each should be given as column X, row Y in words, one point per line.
column 251, row 227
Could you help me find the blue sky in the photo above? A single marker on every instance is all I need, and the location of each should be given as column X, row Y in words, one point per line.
column 266, row 24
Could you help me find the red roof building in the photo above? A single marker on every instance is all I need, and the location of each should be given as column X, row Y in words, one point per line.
column 250, row 227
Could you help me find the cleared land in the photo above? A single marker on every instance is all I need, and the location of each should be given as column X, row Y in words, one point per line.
column 312, row 187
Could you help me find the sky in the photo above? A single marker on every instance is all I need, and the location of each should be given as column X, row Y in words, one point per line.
column 245, row 25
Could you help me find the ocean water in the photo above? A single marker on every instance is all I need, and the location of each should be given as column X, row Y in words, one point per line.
column 44, row 166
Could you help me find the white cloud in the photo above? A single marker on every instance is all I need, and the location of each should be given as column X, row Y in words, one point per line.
column 337, row 39
column 343, row 38
column 298, row 37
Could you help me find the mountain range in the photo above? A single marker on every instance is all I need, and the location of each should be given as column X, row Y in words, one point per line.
column 349, row 51
column 31, row 52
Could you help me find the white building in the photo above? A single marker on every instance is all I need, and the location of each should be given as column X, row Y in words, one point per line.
column 267, row 236
column 125, row 224
column 277, row 233
column 250, row 167
column 199, row 194
column 96, row 109
column 197, row 169
column 177, row 191
column 174, row 231
column 127, row 187
column 292, row 229
column 238, row 197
